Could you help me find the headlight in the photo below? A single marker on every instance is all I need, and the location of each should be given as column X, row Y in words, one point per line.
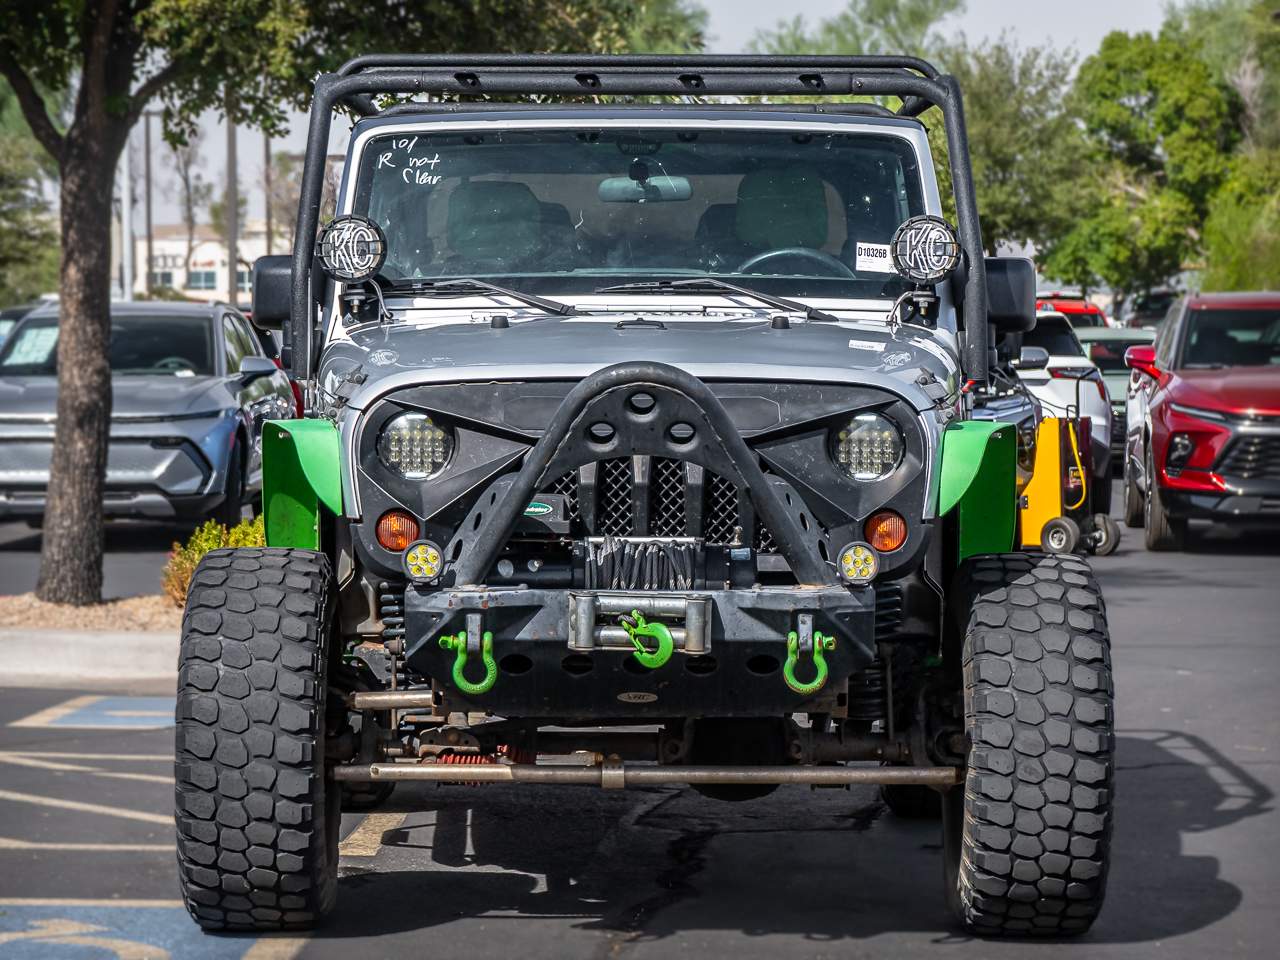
column 414, row 447
column 868, row 447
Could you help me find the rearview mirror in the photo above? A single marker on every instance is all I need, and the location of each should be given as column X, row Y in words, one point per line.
column 272, row 288
column 655, row 189
column 1142, row 357
column 253, row 368
column 1032, row 358
column 1011, row 294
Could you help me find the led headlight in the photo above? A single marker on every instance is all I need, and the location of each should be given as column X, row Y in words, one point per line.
column 868, row 447
column 423, row 561
column 414, row 447
column 858, row 563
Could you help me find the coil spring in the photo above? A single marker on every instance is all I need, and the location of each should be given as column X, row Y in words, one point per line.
column 868, row 696
column 391, row 610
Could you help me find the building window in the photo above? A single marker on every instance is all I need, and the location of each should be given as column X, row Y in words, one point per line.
column 202, row 280
column 242, row 281
column 161, row 278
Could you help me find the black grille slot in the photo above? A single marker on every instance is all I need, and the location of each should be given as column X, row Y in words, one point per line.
column 667, row 517
column 764, row 541
column 615, row 516
column 722, row 509
column 567, row 487
column 1252, row 458
column 888, row 609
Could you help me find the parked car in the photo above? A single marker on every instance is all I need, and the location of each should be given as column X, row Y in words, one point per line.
column 1076, row 307
column 1203, row 437
column 10, row 316
column 1071, row 385
column 1106, row 347
column 191, row 388
column 1147, row 309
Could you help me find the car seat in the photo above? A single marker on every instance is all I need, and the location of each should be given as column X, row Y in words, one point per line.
column 493, row 226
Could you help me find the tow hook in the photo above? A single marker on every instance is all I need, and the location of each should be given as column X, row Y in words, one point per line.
column 458, row 644
column 821, row 643
column 636, row 628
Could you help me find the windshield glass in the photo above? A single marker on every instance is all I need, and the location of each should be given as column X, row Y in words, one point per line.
column 1232, row 338
column 1055, row 335
column 168, row 345
column 574, row 209
column 1108, row 355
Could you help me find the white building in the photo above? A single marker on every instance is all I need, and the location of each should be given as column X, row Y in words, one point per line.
column 205, row 276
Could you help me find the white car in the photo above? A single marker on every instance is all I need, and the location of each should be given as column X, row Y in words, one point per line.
column 1070, row 384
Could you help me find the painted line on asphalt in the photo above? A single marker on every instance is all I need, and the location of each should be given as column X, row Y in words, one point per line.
column 21, row 760
column 104, row 713
column 123, row 757
column 9, row 843
column 50, row 715
column 122, row 812
column 276, row 947
column 366, row 839
column 77, row 902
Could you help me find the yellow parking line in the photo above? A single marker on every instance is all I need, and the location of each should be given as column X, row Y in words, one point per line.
column 121, row 812
column 73, row 902
column 49, row 716
column 365, row 839
column 275, row 947
column 139, row 713
column 9, row 843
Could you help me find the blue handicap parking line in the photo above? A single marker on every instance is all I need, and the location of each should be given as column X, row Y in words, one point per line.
column 54, row 930
column 119, row 712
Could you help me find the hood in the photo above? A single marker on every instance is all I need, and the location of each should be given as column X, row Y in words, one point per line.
column 571, row 348
column 1232, row 389
column 140, row 396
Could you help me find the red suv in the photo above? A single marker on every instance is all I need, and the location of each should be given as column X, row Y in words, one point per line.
column 1078, row 311
column 1202, row 434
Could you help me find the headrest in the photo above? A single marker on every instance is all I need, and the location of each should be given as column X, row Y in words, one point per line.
column 781, row 208
column 493, row 220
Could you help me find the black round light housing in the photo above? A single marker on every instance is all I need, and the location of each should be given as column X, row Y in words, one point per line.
column 925, row 249
column 352, row 248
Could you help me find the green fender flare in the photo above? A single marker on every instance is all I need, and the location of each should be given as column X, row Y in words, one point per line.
column 301, row 473
column 978, row 480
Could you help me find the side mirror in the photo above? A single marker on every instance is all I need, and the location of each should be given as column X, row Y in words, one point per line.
column 253, row 368
column 1032, row 358
column 1142, row 358
column 1011, row 294
column 272, row 288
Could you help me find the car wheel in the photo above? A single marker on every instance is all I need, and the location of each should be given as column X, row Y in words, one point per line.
column 1163, row 532
column 1027, row 838
column 257, row 818
column 1060, row 535
column 1133, row 505
column 1107, row 535
column 230, row 511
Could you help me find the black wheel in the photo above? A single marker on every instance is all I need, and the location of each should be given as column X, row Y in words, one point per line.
column 1107, row 535
column 1163, row 532
column 229, row 511
column 1133, row 505
column 912, row 803
column 1027, row 838
column 1060, row 535
column 257, row 823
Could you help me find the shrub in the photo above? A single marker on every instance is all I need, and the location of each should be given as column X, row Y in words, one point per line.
column 176, row 576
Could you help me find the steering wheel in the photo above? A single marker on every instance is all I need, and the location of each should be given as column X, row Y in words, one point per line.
column 174, row 363
column 826, row 259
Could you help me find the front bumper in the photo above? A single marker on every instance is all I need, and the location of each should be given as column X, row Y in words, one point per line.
column 117, row 504
column 1259, row 506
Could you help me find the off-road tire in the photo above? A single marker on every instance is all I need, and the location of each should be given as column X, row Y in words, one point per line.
column 257, row 823
column 1133, row 505
column 1027, row 837
column 1162, row 532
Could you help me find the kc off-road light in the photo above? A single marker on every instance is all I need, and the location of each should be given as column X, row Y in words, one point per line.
column 414, row 447
column 423, row 561
column 352, row 248
column 868, row 447
column 858, row 563
column 924, row 249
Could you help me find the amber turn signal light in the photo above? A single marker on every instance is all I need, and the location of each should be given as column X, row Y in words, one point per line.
column 886, row 531
column 396, row 530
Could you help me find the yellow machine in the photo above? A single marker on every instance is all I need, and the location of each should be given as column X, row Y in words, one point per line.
column 1057, row 514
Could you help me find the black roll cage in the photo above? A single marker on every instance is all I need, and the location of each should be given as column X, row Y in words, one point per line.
column 917, row 83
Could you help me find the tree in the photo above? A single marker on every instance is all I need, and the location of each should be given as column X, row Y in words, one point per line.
column 668, row 26
column 864, row 27
column 29, row 254
column 113, row 57
column 1242, row 232
column 192, row 188
column 286, row 178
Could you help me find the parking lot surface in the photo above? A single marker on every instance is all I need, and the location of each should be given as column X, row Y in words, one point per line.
column 87, row 860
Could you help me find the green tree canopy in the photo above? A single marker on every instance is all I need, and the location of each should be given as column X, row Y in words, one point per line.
column 864, row 27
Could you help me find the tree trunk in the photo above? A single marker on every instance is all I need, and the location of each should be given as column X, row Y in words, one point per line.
column 71, row 553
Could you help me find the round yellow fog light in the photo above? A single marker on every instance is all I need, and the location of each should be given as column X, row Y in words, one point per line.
column 858, row 563
column 423, row 561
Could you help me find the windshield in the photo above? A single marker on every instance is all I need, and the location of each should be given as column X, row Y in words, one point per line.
column 1055, row 335
column 167, row 345
column 575, row 209
column 1108, row 355
column 1232, row 338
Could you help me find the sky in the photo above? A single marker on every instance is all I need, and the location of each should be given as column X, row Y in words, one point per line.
column 1080, row 24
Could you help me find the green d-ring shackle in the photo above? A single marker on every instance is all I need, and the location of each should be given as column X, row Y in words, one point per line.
column 458, row 645
column 821, row 643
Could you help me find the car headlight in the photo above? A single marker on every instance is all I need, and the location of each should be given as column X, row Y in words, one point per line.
column 868, row 447
column 413, row 446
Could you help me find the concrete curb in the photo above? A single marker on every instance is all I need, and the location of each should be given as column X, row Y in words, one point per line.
column 47, row 656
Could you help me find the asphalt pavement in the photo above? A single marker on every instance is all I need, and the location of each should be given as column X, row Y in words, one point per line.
column 135, row 552
column 87, row 859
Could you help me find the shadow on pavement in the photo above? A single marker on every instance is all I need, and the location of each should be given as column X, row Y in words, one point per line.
column 824, row 866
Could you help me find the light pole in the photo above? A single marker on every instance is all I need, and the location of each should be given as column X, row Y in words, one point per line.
column 146, row 173
column 232, row 211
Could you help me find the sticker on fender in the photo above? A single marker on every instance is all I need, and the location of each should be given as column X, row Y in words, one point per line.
column 873, row 258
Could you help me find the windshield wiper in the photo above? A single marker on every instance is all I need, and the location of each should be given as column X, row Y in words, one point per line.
column 704, row 284
column 461, row 284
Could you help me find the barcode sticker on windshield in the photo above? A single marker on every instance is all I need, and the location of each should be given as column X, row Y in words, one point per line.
column 873, row 258
column 872, row 345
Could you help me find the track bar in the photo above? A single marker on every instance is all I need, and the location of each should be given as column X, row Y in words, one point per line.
column 616, row 775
